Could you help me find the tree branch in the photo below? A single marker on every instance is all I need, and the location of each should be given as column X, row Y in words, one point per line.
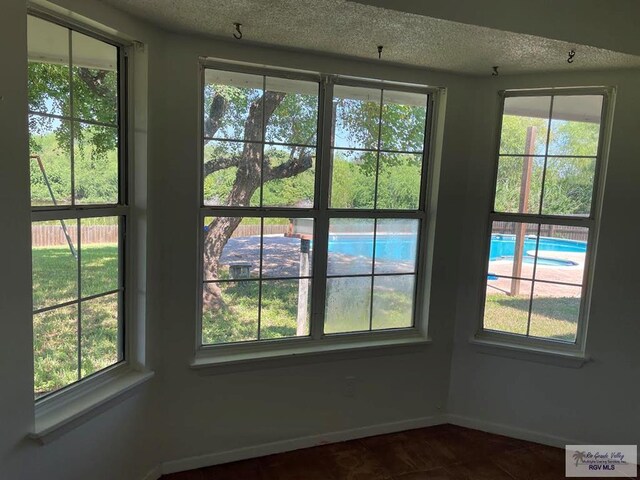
column 290, row 168
column 216, row 112
column 217, row 164
column 94, row 82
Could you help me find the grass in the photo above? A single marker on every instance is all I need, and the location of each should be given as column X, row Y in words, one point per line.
column 551, row 317
column 56, row 331
column 238, row 321
column 347, row 309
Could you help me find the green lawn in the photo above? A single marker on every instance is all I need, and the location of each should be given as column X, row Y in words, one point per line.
column 347, row 308
column 551, row 317
column 56, row 331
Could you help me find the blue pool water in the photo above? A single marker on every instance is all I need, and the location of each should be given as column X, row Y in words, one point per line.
column 403, row 247
column 400, row 248
column 503, row 247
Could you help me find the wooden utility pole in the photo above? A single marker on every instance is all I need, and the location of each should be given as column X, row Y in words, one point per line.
column 525, row 190
column 303, row 289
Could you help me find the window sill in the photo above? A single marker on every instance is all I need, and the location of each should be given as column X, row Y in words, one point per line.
column 532, row 353
column 57, row 416
column 211, row 359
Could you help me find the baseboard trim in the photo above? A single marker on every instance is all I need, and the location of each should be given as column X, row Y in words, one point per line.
column 509, row 431
column 294, row 444
column 271, row 448
column 154, row 474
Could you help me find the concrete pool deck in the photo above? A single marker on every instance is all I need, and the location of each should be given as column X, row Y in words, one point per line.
column 552, row 273
column 281, row 258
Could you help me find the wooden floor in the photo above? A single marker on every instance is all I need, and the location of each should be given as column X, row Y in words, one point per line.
column 444, row 452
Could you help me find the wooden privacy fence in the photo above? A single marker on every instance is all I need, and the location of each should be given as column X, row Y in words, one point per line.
column 254, row 230
column 52, row 235
column 556, row 231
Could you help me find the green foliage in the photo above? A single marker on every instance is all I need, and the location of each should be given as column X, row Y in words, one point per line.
column 568, row 181
column 96, row 175
column 94, row 146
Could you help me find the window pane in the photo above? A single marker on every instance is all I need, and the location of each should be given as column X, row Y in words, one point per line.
column 509, row 241
column 289, row 176
column 396, row 245
column 575, row 125
column 348, row 304
column 562, row 252
column 95, row 79
column 399, row 181
column 48, row 46
column 233, row 105
column 232, row 173
column 519, row 184
column 231, row 248
column 54, row 262
column 525, row 124
column 287, row 247
column 99, row 338
column 555, row 310
column 286, row 308
column 55, row 349
column 49, row 161
column 350, row 246
column 95, row 164
column 568, row 186
column 505, row 311
column 357, row 117
column 353, row 179
column 393, row 301
column 233, row 314
column 99, row 255
column 295, row 117
column 403, row 121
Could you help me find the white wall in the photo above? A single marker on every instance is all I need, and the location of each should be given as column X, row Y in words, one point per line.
column 183, row 414
column 117, row 443
column 596, row 403
column 265, row 404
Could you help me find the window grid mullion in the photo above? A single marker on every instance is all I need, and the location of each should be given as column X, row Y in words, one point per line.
column 71, row 122
column 586, row 222
column 321, row 232
column 373, row 271
column 546, row 152
column 379, row 141
column 79, row 279
column 533, row 281
column 263, row 138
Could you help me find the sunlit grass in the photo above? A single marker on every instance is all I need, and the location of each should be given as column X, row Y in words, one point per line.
column 553, row 317
column 56, row 331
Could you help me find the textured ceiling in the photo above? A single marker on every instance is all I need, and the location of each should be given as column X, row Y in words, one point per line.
column 345, row 28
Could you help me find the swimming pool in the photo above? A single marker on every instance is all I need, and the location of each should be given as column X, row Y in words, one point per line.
column 403, row 247
column 503, row 247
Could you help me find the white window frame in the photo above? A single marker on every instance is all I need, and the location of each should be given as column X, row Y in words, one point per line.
column 515, row 342
column 65, row 408
column 317, row 341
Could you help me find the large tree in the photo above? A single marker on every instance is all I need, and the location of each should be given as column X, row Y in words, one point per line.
column 239, row 113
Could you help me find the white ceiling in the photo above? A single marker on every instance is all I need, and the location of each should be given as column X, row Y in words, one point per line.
column 352, row 29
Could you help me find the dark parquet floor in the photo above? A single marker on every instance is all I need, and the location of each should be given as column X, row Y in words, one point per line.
column 444, row 452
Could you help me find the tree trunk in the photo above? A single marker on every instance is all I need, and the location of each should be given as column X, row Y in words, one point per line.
column 247, row 181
